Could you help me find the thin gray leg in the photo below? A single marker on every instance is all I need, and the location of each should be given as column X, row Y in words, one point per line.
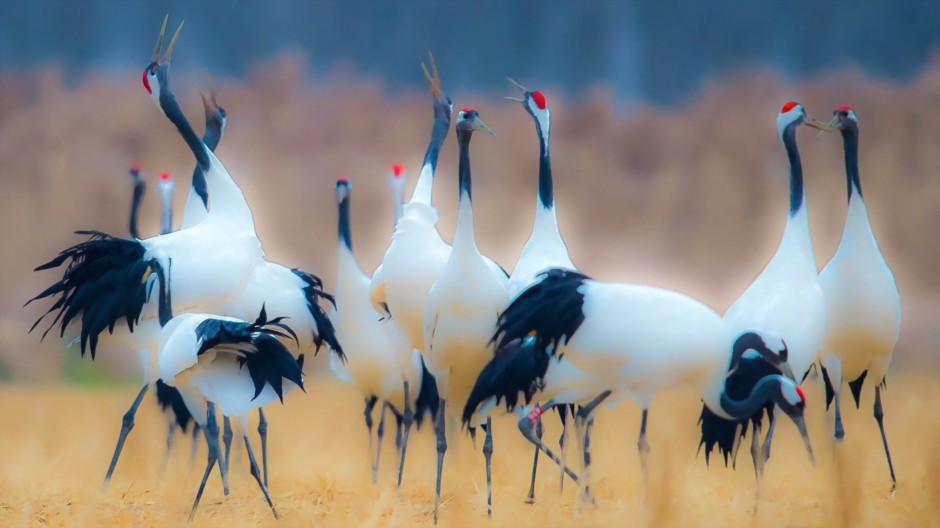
column 644, row 448
column 367, row 413
column 127, row 423
column 407, row 419
column 488, row 455
column 212, row 438
column 588, row 496
column 530, row 499
column 563, row 444
column 770, row 436
column 227, row 441
column 380, row 433
column 195, row 447
column 170, row 438
column 441, row 449
column 757, row 457
column 527, row 428
column 263, row 433
column 253, row 465
column 840, row 430
column 879, row 416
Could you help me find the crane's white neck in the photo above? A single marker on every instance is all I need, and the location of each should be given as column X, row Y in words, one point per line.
column 228, row 203
column 423, row 189
column 194, row 211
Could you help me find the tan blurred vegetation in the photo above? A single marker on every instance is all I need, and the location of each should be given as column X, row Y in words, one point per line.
column 692, row 198
column 57, row 441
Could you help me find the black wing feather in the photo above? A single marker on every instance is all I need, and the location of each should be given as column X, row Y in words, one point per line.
column 325, row 332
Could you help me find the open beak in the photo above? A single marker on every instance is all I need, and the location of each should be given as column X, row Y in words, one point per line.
column 478, row 124
column 208, row 101
column 830, row 126
column 800, row 422
column 517, row 85
column 169, row 49
column 434, row 79
column 156, row 48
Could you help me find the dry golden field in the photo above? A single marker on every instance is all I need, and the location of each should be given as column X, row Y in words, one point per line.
column 56, row 443
column 692, row 198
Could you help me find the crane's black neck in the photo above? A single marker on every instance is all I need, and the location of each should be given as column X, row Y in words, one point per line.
column 173, row 112
column 164, row 306
column 463, row 141
column 546, row 194
column 139, row 188
column 796, row 167
column 344, row 233
column 850, row 144
column 211, row 137
column 765, row 390
column 439, row 131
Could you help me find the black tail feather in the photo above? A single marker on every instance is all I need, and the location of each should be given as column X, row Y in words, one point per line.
column 428, row 398
column 325, row 331
column 170, row 399
column 830, row 391
column 856, row 386
column 104, row 281
column 517, row 369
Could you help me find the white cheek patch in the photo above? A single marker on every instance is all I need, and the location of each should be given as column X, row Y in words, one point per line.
column 789, row 392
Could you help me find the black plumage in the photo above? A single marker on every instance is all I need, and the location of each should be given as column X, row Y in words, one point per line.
column 258, row 348
column 550, row 309
column 723, row 434
column 517, row 370
column 855, row 386
column 428, row 398
column 313, row 291
column 104, row 281
column 169, row 398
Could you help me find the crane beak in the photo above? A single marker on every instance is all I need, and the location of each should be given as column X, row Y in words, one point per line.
column 478, row 124
column 434, row 80
column 516, row 84
column 169, row 49
column 800, row 421
column 208, row 101
column 830, row 126
column 815, row 123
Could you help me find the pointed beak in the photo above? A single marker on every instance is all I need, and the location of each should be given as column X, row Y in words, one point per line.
column 519, row 86
column 208, row 101
column 156, row 48
column 479, row 124
column 815, row 123
column 800, row 422
column 433, row 78
column 169, row 49
column 830, row 126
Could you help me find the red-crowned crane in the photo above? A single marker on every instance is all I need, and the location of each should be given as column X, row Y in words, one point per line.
column 785, row 299
column 640, row 340
column 461, row 311
column 214, row 360
column 510, row 373
column 219, row 264
column 372, row 359
column 863, row 307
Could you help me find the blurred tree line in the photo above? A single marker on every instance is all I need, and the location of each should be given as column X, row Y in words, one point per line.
column 640, row 50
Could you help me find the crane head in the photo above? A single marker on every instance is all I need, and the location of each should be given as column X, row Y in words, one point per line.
column 343, row 188
column 154, row 75
column 793, row 112
column 136, row 174
column 443, row 107
column 396, row 178
column 215, row 114
column 468, row 120
column 166, row 182
column 792, row 401
column 535, row 104
column 843, row 117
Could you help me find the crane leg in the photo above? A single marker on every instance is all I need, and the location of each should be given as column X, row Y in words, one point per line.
column 527, row 428
column 441, row 449
column 127, row 423
column 380, row 433
column 488, row 455
column 563, row 441
column 212, row 438
column 586, row 474
column 170, row 438
column 583, row 427
column 757, row 457
column 253, row 466
column 263, row 433
column 770, row 435
column 367, row 413
column 644, row 448
column 879, row 416
column 223, row 469
column 530, row 499
column 195, row 447
column 840, row 430
column 227, row 441
column 407, row 419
